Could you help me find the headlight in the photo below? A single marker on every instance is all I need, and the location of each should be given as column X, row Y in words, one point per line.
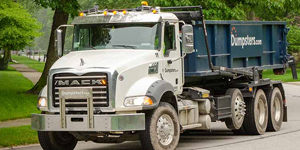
column 42, row 102
column 138, row 101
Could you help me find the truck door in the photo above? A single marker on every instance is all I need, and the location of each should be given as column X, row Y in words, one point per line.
column 172, row 72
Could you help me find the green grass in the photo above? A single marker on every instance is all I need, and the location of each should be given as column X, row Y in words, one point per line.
column 287, row 77
column 38, row 66
column 14, row 136
column 14, row 103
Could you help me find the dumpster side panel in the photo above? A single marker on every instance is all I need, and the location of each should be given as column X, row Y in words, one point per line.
column 238, row 44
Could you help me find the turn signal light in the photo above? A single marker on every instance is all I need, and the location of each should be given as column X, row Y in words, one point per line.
column 124, row 12
column 103, row 82
column 250, row 89
column 115, row 12
column 148, row 101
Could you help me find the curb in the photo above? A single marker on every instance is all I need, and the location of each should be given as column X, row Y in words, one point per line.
column 293, row 83
column 18, row 147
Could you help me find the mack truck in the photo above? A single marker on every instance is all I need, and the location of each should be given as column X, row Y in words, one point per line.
column 153, row 73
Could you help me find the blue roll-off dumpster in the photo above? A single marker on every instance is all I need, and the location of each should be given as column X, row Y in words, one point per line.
column 240, row 45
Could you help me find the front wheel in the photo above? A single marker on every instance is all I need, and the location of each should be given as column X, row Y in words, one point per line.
column 57, row 140
column 162, row 129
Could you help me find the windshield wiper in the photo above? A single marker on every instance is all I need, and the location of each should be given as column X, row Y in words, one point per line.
column 89, row 46
column 125, row 46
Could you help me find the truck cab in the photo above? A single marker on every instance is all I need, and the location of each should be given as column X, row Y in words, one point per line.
column 124, row 80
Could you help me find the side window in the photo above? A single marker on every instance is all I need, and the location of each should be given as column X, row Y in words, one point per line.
column 169, row 39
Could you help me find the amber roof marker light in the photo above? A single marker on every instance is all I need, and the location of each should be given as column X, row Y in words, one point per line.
column 144, row 3
column 115, row 12
column 154, row 11
column 105, row 13
column 81, row 14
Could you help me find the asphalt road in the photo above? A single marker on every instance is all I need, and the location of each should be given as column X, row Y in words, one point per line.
column 219, row 138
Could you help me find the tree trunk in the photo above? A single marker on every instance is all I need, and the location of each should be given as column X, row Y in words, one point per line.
column 5, row 60
column 60, row 17
column 251, row 15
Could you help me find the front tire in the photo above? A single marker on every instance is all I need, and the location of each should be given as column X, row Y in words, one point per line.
column 275, row 103
column 162, row 129
column 50, row 140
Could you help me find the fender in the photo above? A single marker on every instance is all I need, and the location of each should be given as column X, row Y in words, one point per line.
column 156, row 91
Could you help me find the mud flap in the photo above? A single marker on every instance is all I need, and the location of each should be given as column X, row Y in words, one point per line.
column 285, row 114
column 292, row 64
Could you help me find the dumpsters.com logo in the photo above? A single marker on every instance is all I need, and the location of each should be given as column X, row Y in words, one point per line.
column 243, row 41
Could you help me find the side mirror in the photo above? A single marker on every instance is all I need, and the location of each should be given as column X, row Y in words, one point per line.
column 187, row 39
column 59, row 42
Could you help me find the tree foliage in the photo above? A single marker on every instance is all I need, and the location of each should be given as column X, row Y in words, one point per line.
column 68, row 6
column 17, row 29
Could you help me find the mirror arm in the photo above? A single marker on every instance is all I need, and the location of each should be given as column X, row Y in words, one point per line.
column 59, row 41
column 171, row 61
column 65, row 25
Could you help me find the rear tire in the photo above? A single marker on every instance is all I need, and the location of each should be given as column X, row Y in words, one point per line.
column 239, row 131
column 162, row 129
column 256, row 118
column 237, row 109
column 275, row 104
column 57, row 140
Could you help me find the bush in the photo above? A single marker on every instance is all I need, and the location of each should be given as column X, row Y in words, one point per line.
column 294, row 39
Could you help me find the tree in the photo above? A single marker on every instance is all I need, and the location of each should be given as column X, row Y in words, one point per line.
column 213, row 9
column 17, row 29
column 62, row 9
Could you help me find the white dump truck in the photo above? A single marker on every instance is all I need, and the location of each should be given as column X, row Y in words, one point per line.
column 152, row 73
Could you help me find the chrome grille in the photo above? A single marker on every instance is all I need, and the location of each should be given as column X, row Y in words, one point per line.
column 100, row 91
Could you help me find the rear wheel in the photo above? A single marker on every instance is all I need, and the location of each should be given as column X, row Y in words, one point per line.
column 239, row 131
column 237, row 109
column 256, row 118
column 162, row 129
column 57, row 140
column 275, row 104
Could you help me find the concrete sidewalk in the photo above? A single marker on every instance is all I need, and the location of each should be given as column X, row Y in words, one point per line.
column 294, row 83
column 33, row 76
column 27, row 72
column 15, row 123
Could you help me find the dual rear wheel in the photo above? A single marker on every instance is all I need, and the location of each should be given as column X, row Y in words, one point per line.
column 263, row 113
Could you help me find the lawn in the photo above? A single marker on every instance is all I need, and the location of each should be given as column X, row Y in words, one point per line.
column 14, row 102
column 285, row 78
column 38, row 66
column 17, row 136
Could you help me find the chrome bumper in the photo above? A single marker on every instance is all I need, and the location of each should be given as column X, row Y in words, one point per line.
column 116, row 122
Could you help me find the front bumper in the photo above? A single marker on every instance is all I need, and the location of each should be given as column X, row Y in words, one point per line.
column 115, row 122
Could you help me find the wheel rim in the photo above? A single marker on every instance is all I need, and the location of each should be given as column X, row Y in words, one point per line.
column 261, row 111
column 277, row 109
column 165, row 129
column 239, row 109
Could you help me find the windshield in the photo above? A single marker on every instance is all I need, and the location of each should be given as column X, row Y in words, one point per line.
column 145, row 36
